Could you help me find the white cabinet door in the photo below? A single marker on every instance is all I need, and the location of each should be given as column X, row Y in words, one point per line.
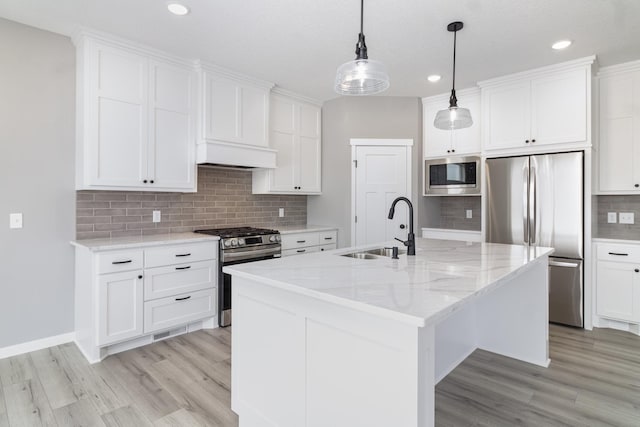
column 559, row 108
column 283, row 118
column 437, row 142
column 467, row 140
column 507, row 117
column 120, row 305
column 618, row 291
column 172, row 139
column 235, row 112
column 116, row 134
column 619, row 145
column 309, row 149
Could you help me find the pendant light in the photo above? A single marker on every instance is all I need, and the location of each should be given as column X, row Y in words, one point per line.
column 362, row 76
column 453, row 117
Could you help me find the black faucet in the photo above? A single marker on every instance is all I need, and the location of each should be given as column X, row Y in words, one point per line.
column 411, row 238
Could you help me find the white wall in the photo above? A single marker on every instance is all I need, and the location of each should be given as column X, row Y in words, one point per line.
column 37, row 108
column 361, row 117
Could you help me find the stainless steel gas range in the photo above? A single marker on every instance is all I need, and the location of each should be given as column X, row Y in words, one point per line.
column 237, row 246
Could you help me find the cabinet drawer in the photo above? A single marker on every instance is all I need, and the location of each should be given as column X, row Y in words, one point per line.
column 301, row 251
column 180, row 254
column 327, row 237
column 166, row 313
column 161, row 282
column 114, row 262
column 300, row 240
column 329, row 247
column 619, row 253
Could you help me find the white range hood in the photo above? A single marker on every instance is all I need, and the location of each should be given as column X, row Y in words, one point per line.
column 243, row 156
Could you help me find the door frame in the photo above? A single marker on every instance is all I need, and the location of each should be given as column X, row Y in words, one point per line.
column 388, row 142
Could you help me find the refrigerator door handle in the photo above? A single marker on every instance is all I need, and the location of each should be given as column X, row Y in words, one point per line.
column 563, row 264
column 525, row 203
column 533, row 201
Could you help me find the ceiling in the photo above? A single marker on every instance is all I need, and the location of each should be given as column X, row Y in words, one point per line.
column 298, row 44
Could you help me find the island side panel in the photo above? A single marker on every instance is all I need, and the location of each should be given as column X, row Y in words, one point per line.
column 298, row 361
column 513, row 320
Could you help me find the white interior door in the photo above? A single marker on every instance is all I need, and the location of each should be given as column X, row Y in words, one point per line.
column 382, row 173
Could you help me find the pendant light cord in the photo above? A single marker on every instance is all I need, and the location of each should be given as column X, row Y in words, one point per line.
column 455, row 33
column 361, row 16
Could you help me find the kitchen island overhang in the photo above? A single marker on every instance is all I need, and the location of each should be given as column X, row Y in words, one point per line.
column 324, row 339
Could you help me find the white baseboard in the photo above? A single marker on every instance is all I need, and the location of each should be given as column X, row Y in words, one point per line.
column 15, row 350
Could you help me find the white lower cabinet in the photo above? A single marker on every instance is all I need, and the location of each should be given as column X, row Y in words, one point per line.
column 119, row 306
column 308, row 242
column 618, row 282
column 122, row 296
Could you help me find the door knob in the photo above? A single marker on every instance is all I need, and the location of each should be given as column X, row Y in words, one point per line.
column 402, row 226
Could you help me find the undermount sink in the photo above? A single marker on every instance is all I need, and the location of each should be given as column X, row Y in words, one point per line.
column 373, row 253
column 384, row 251
column 360, row 255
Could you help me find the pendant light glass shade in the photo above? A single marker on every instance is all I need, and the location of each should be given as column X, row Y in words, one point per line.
column 362, row 76
column 453, row 117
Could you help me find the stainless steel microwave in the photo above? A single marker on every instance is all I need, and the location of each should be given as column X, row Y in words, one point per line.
column 452, row 176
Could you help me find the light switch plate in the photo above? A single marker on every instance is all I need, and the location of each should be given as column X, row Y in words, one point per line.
column 469, row 213
column 156, row 216
column 15, row 220
column 626, row 218
column 612, row 217
column 281, row 212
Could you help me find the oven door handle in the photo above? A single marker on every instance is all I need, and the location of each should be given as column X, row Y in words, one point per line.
column 234, row 256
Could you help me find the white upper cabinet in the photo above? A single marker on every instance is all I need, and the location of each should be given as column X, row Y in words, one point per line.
column 446, row 143
column 236, row 110
column 135, row 118
column 541, row 107
column 619, row 129
column 295, row 133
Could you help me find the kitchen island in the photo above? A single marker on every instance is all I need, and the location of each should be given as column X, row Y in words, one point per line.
column 329, row 340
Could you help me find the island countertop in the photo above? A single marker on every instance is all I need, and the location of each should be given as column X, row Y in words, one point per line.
column 417, row 289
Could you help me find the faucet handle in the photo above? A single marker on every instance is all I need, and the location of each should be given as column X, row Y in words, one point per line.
column 402, row 241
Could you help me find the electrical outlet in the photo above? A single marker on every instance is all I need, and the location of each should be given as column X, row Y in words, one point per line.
column 156, row 216
column 626, row 218
column 15, row 220
column 281, row 212
column 469, row 213
column 612, row 217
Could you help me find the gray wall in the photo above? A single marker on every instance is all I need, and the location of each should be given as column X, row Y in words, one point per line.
column 37, row 98
column 360, row 117
column 223, row 199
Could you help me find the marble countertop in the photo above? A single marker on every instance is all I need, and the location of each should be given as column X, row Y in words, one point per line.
column 418, row 290
column 290, row 229
column 142, row 241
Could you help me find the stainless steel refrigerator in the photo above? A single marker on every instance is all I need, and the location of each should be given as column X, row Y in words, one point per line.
column 538, row 200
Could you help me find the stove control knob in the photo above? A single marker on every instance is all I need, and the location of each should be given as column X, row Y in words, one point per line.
column 272, row 238
column 241, row 242
column 227, row 243
column 234, row 242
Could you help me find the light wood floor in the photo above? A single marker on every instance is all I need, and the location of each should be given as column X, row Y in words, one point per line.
column 593, row 380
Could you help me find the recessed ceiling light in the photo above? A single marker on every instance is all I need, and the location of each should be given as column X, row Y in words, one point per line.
column 178, row 9
column 562, row 44
column 434, row 78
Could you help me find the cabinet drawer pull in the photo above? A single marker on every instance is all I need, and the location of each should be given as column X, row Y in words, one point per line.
column 301, row 241
column 618, row 254
column 301, row 251
column 183, row 298
column 328, row 238
column 183, row 268
column 181, row 255
column 637, row 270
column 140, row 276
column 121, row 262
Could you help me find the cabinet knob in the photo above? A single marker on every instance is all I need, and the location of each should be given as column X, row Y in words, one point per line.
column 151, row 181
column 144, row 181
column 448, row 151
column 526, row 141
column 637, row 185
column 637, row 270
column 453, row 151
column 140, row 276
column 533, row 140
